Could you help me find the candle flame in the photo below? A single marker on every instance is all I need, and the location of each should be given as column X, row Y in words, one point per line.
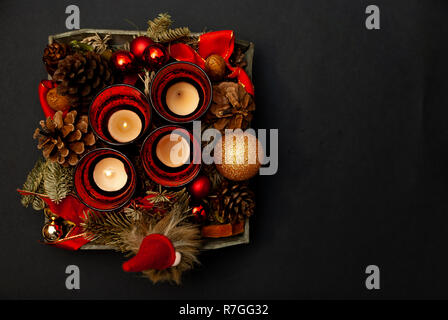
column 108, row 173
column 125, row 124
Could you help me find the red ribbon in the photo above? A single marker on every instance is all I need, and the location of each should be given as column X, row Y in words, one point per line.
column 72, row 210
column 217, row 42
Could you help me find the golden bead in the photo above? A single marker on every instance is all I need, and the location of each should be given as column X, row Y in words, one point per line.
column 215, row 67
column 51, row 230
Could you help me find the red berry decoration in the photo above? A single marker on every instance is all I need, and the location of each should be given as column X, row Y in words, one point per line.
column 155, row 56
column 199, row 214
column 123, row 61
column 139, row 44
column 200, row 187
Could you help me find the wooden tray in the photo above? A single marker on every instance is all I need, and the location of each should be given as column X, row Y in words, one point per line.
column 118, row 40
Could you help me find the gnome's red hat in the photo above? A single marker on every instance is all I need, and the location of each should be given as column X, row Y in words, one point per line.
column 155, row 252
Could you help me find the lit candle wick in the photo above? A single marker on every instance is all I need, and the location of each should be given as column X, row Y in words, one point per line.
column 110, row 174
column 182, row 98
column 124, row 125
column 173, row 150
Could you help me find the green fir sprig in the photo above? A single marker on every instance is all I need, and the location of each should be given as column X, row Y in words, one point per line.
column 33, row 184
column 159, row 29
column 49, row 179
column 58, row 181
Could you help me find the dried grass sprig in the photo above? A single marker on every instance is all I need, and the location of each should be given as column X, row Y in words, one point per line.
column 98, row 44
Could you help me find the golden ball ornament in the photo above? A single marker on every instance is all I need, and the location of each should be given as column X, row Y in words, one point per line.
column 215, row 67
column 52, row 231
column 238, row 155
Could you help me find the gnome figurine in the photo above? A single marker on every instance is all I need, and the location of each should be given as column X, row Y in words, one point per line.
column 156, row 252
column 165, row 248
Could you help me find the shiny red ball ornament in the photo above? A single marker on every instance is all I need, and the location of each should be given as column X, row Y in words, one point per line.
column 139, row 44
column 200, row 187
column 155, row 56
column 199, row 214
column 123, row 61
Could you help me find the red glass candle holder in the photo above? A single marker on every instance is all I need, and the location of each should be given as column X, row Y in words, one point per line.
column 94, row 197
column 176, row 72
column 162, row 174
column 114, row 98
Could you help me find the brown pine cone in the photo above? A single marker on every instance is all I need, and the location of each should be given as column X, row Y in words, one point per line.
column 232, row 203
column 238, row 58
column 231, row 108
column 81, row 76
column 64, row 139
column 54, row 53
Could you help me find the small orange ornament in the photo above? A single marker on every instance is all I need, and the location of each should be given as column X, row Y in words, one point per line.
column 238, row 156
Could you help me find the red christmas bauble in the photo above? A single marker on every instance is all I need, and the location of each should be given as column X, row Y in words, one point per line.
column 155, row 56
column 139, row 44
column 200, row 187
column 199, row 214
column 123, row 61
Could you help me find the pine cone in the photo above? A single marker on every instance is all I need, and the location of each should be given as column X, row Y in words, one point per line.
column 231, row 108
column 232, row 203
column 81, row 75
column 53, row 53
column 64, row 139
column 238, row 58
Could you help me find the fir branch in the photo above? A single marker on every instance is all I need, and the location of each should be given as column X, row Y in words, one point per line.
column 33, row 183
column 58, row 181
column 50, row 179
column 173, row 34
column 133, row 213
column 159, row 29
column 38, row 204
column 161, row 196
column 107, row 228
column 160, row 24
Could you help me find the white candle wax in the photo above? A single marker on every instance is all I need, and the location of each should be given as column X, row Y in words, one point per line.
column 109, row 174
column 124, row 125
column 182, row 98
column 173, row 150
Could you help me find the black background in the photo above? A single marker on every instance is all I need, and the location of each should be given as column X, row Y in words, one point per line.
column 362, row 177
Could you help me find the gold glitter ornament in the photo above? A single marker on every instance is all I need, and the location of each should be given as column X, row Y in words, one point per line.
column 238, row 155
